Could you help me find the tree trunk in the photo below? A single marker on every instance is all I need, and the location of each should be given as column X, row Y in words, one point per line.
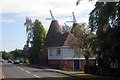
column 87, row 59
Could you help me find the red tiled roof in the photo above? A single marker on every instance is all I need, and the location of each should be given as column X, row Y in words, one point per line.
column 55, row 37
column 54, row 28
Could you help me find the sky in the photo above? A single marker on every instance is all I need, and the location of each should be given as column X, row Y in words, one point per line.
column 13, row 14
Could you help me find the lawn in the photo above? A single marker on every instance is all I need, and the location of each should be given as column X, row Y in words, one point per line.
column 89, row 76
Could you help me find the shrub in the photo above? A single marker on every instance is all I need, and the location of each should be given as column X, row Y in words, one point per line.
column 90, row 69
column 21, row 60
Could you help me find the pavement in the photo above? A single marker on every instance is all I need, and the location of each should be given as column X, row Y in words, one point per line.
column 57, row 70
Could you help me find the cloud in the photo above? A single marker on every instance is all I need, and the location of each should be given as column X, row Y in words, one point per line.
column 7, row 21
column 40, row 8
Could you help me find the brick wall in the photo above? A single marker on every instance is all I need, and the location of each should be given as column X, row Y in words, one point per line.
column 82, row 64
column 68, row 64
column 92, row 61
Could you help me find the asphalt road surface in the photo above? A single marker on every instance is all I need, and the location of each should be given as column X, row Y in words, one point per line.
column 21, row 72
column 0, row 70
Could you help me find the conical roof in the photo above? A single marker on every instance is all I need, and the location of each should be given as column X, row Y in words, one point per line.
column 55, row 37
column 53, row 31
column 54, row 28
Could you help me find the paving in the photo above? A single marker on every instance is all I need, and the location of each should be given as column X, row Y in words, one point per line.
column 56, row 70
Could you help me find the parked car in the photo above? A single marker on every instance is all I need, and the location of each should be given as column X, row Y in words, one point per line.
column 16, row 61
column 9, row 61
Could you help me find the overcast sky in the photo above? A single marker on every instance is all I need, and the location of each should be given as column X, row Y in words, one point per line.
column 14, row 12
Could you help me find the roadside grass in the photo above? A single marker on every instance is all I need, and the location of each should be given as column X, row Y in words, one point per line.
column 89, row 76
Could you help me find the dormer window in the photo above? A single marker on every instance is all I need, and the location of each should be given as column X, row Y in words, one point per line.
column 50, row 53
column 58, row 52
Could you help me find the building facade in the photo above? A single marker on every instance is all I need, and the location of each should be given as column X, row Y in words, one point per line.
column 66, row 57
column 58, row 51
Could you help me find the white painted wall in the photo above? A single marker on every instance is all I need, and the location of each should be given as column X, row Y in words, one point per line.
column 66, row 53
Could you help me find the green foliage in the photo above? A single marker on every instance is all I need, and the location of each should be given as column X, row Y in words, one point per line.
column 66, row 28
column 22, row 60
column 109, row 45
column 17, row 53
column 7, row 56
column 10, row 56
column 83, row 42
column 29, row 30
column 38, row 33
column 103, row 16
column 90, row 69
column 4, row 55
column 105, row 19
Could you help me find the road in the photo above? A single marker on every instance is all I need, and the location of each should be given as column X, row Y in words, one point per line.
column 0, row 70
column 22, row 72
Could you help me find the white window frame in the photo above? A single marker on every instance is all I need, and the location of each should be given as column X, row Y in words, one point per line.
column 58, row 52
column 50, row 53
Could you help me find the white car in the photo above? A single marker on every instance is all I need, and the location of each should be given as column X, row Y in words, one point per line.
column 16, row 61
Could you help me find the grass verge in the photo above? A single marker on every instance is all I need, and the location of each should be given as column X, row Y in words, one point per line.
column 89, row 76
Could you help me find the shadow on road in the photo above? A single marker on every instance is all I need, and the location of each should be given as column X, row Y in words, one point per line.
column 33, row 66
column 54, row 78
column 47, row 78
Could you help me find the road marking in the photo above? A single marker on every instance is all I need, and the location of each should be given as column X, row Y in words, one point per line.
column 18, row 67
column 28, row 72
column 36, row 76
column 22, row 69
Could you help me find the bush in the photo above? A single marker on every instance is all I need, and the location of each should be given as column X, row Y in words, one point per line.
column 21, row 60
column 90, row 69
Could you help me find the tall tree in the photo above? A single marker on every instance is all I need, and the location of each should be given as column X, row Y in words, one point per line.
column 66, row 28
column 105, row 19
column 17, row 53
column 38, row 38
column 104, row 16
column 29, row 30
column 82, row 44
column 4, row 55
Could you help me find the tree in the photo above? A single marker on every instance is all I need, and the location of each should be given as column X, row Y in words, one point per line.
column 66, row 28
column 105, row 19
column 29, row 30
column 25, row 52
column 4, row 55
column 82, row 44
column 104, row 16
column 10, row 56
column 7, row 56
column 18, row 53
column 37, row 41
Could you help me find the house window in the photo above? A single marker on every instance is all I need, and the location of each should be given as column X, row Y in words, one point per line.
column 50, row 53
column 114, row 64
column 58, row 52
